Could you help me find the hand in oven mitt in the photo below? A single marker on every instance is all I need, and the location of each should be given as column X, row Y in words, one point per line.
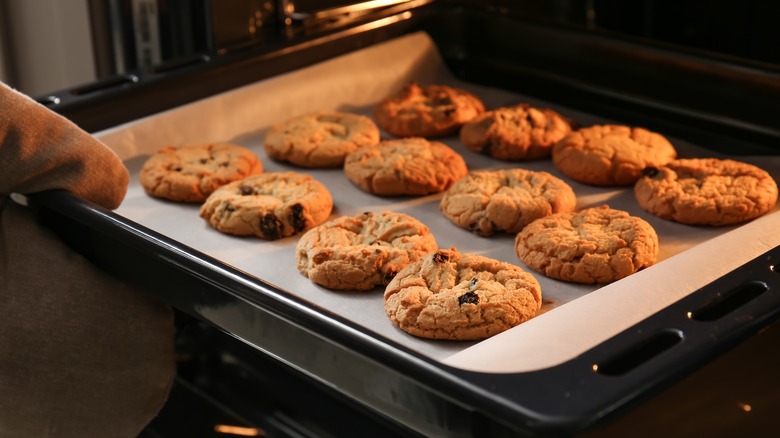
column 81, row 353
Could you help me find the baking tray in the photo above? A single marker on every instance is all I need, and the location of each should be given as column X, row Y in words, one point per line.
column 592, row 352
column 354, row 83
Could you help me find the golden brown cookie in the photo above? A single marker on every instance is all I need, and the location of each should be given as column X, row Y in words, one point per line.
column 608, row 155
column 360, row 252
column 433, row 111
column 406, row 166
column 515, row 133
column 706, row 191
column 449, row 295
column 595, row 245
column 490, row 201
column 270, row 206
column 320, row 139
column 190, row 173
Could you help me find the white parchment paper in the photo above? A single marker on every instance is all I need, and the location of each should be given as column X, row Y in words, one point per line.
column 574, row 317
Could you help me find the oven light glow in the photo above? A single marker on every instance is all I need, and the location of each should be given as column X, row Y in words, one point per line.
column 238, row 430
column 744, row 406
column 689, row 315
column 595, row 367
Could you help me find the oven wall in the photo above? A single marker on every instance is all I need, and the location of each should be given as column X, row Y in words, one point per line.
column 46, row 44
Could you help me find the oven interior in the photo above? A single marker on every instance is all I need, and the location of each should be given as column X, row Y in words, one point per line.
column 599, row 57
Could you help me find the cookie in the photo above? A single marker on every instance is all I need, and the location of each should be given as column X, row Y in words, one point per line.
column 449, row 295
column 595, row 245
column 190, row 173
column 610, row 155
column 706, row 191
column 515, row 133
column 270, row 206
column 433, row 111
column 407, row 166
column 320, row 139
column 490, row 201
column 361, row 252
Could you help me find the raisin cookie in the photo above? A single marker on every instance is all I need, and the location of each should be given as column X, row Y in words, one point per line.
column 407, row 166
column 190, row 173
column 490, row 201
column 320, row 139
column 449, row 295
column 515, row 133
column 433, row 111
column 595, row 245
column 361, row 252
column 610, row 155
column 270, row 206
column 706, row 191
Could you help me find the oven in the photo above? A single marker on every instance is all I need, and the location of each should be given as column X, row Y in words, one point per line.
column 682, row 347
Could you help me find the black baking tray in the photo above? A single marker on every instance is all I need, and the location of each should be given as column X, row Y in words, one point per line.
column 729, row 105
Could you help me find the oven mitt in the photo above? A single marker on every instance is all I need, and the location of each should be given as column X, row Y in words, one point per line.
column 82, row 354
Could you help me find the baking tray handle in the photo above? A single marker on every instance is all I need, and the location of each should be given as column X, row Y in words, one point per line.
column 688, row 334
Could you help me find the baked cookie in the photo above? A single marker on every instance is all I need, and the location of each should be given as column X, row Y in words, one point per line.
column 407, row 166
column 271, row 206
column 610, row 155
column 433, row 111
column 706, row 191
column 490, row 201
column 595, row 245
column 360, row 252
column 449, row 295
column 515, row 133
column 320, row 139
column 190, row 173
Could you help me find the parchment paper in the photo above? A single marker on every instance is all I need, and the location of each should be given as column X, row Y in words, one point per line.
column 574, row 317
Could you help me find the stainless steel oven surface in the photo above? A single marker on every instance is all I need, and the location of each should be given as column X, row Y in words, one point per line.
column 592, row 357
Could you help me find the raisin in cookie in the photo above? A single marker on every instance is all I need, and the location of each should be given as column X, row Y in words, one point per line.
column 515, row 133
column 271, row 206
column 360, row 252
column 449, row 295
column 706, row 191
column 407, row 166
column 610, row 155
column 320, row 139
column 190, row 173
column 595, row 245
column 433, row 111
column 486, row 202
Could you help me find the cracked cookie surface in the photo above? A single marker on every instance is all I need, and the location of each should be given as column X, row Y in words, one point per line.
column 486, row 202
column 610, row 155
column 515, row 133
column 363, row 251
column 407, row 166
column 449, row 295
column 320, row 139
column 270, row 206
column 706, row 191
column 594, row 245
column 190, row 173
column 431, row 111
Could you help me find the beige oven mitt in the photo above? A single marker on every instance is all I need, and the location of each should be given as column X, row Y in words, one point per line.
column 81, row 353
